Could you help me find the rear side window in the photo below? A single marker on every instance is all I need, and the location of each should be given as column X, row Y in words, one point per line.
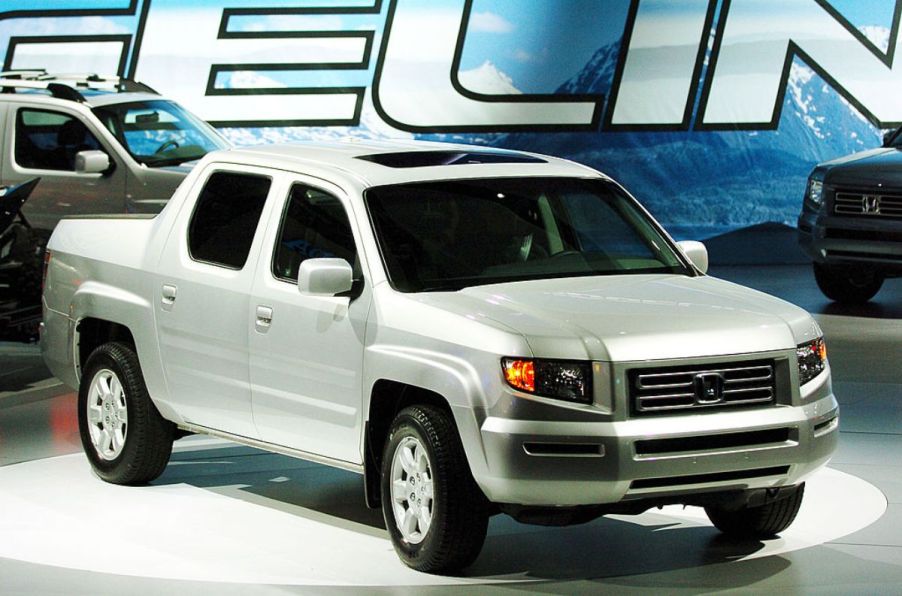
column 226, row 217
column 315, row 225
column 47, row 140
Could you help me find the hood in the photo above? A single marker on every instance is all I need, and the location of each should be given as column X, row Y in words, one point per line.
column 183, row 168
column 635, row 317
column 864, row 169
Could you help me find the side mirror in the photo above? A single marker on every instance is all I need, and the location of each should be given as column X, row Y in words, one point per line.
column 696, row 253
column 92, row 162
column 325, row 277
column 888, row 137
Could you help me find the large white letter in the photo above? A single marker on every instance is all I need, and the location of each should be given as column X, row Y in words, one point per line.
column 756, row 51
column 184, row 50
column 666, row 47
column 417, row 87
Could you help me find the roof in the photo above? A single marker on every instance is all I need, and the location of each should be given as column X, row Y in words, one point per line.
column 375, row 163
column 89, row 88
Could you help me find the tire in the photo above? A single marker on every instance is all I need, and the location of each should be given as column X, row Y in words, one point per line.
column 458, row 513
column 764, row 521
column 139, row 447
column 847, row 284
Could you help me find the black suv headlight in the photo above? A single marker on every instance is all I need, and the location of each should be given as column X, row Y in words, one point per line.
column 814, row 192
column 812, row 357
column 560, row 379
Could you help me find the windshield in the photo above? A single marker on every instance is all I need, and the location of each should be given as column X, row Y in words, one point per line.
column 452, row 234
column 159, row 133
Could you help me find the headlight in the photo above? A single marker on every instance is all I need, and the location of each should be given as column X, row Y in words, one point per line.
column 560, row 379
column 814, row 194
column 812, row 357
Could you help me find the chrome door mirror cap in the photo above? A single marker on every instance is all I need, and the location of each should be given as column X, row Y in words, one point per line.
column 92, row 162
column 325, row 277
column 696, row 252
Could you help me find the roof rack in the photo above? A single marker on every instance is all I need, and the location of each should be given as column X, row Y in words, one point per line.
column 67, row 85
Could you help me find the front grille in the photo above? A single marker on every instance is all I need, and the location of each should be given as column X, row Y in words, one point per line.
column 867, row 204
column 665, row 389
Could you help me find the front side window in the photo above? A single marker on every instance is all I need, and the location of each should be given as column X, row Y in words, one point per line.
column 48, row 140
column 158, row 132
column 448, row 235
column 315, row 225
column 225, row 218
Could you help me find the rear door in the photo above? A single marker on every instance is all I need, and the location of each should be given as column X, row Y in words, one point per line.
column 203, row 295
column 43, row 142
column 306, row 352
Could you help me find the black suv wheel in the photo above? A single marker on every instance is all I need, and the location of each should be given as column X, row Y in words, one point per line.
column 848, row 284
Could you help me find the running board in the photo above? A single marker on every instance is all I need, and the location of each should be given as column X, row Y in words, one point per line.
column 280, row 449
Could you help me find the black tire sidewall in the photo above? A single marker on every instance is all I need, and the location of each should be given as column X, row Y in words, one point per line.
column 407, row 426
column 107, row 356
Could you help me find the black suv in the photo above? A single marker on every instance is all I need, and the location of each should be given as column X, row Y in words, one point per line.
column 851, row 221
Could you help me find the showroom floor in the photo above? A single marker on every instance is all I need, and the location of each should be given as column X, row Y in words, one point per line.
column 225, row 519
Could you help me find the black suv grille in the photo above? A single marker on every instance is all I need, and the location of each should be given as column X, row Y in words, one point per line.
column 867, row 204
column 702, row 386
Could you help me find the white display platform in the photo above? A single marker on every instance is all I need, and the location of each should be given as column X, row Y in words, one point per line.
column 56, row 512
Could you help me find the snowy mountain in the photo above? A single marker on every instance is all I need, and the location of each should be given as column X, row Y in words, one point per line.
column 487, row 79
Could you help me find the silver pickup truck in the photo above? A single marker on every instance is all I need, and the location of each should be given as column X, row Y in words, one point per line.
column 474, row 331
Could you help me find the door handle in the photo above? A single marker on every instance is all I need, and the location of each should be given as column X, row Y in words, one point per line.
column 168, row 293
column 264, row 317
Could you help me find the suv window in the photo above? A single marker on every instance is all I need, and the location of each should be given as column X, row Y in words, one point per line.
column 47, row 140
column 225, row 219
column 314, row 225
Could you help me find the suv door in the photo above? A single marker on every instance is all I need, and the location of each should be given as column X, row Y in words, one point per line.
column 202, row 293
column 42, row 143
column 306, row 352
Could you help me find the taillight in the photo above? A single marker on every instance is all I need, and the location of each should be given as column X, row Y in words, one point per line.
column 47, row 255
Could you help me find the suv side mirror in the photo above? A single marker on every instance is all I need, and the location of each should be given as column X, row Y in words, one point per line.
column 92, row 162
column 325, row 277
column 889, row 136
column 696, row 253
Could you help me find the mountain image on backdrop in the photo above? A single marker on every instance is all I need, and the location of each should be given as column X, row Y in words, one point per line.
column 719, row 181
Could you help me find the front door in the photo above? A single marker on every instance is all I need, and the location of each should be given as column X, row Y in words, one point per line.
column 306, row 352
column 44, row 142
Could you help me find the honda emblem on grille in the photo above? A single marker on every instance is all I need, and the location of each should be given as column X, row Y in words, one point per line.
column 870, row 204
column 708, row 388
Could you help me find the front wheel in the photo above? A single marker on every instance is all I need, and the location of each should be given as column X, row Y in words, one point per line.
column 846, row 284
column 123, row 435
column 763, row 521
column 435, row 514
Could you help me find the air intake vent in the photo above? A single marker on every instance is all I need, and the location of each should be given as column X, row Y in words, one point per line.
column 659, row 390
column 738, row 475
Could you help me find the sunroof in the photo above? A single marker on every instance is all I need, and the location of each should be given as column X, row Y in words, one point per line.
column 422, row 159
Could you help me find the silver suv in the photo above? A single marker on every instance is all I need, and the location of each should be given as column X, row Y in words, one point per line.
column 474, row 331
column 99, row 144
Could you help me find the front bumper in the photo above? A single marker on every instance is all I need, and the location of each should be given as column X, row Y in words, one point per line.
column 550, row 463
column 848, row 240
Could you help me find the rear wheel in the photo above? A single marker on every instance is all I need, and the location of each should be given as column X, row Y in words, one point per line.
column 123, row 435
column 848, row 284
column 763, row 521
column 435, row 514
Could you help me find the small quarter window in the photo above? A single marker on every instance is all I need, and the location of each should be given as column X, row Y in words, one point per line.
column 47, row 140
column 315, row 225
column 225, row 219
